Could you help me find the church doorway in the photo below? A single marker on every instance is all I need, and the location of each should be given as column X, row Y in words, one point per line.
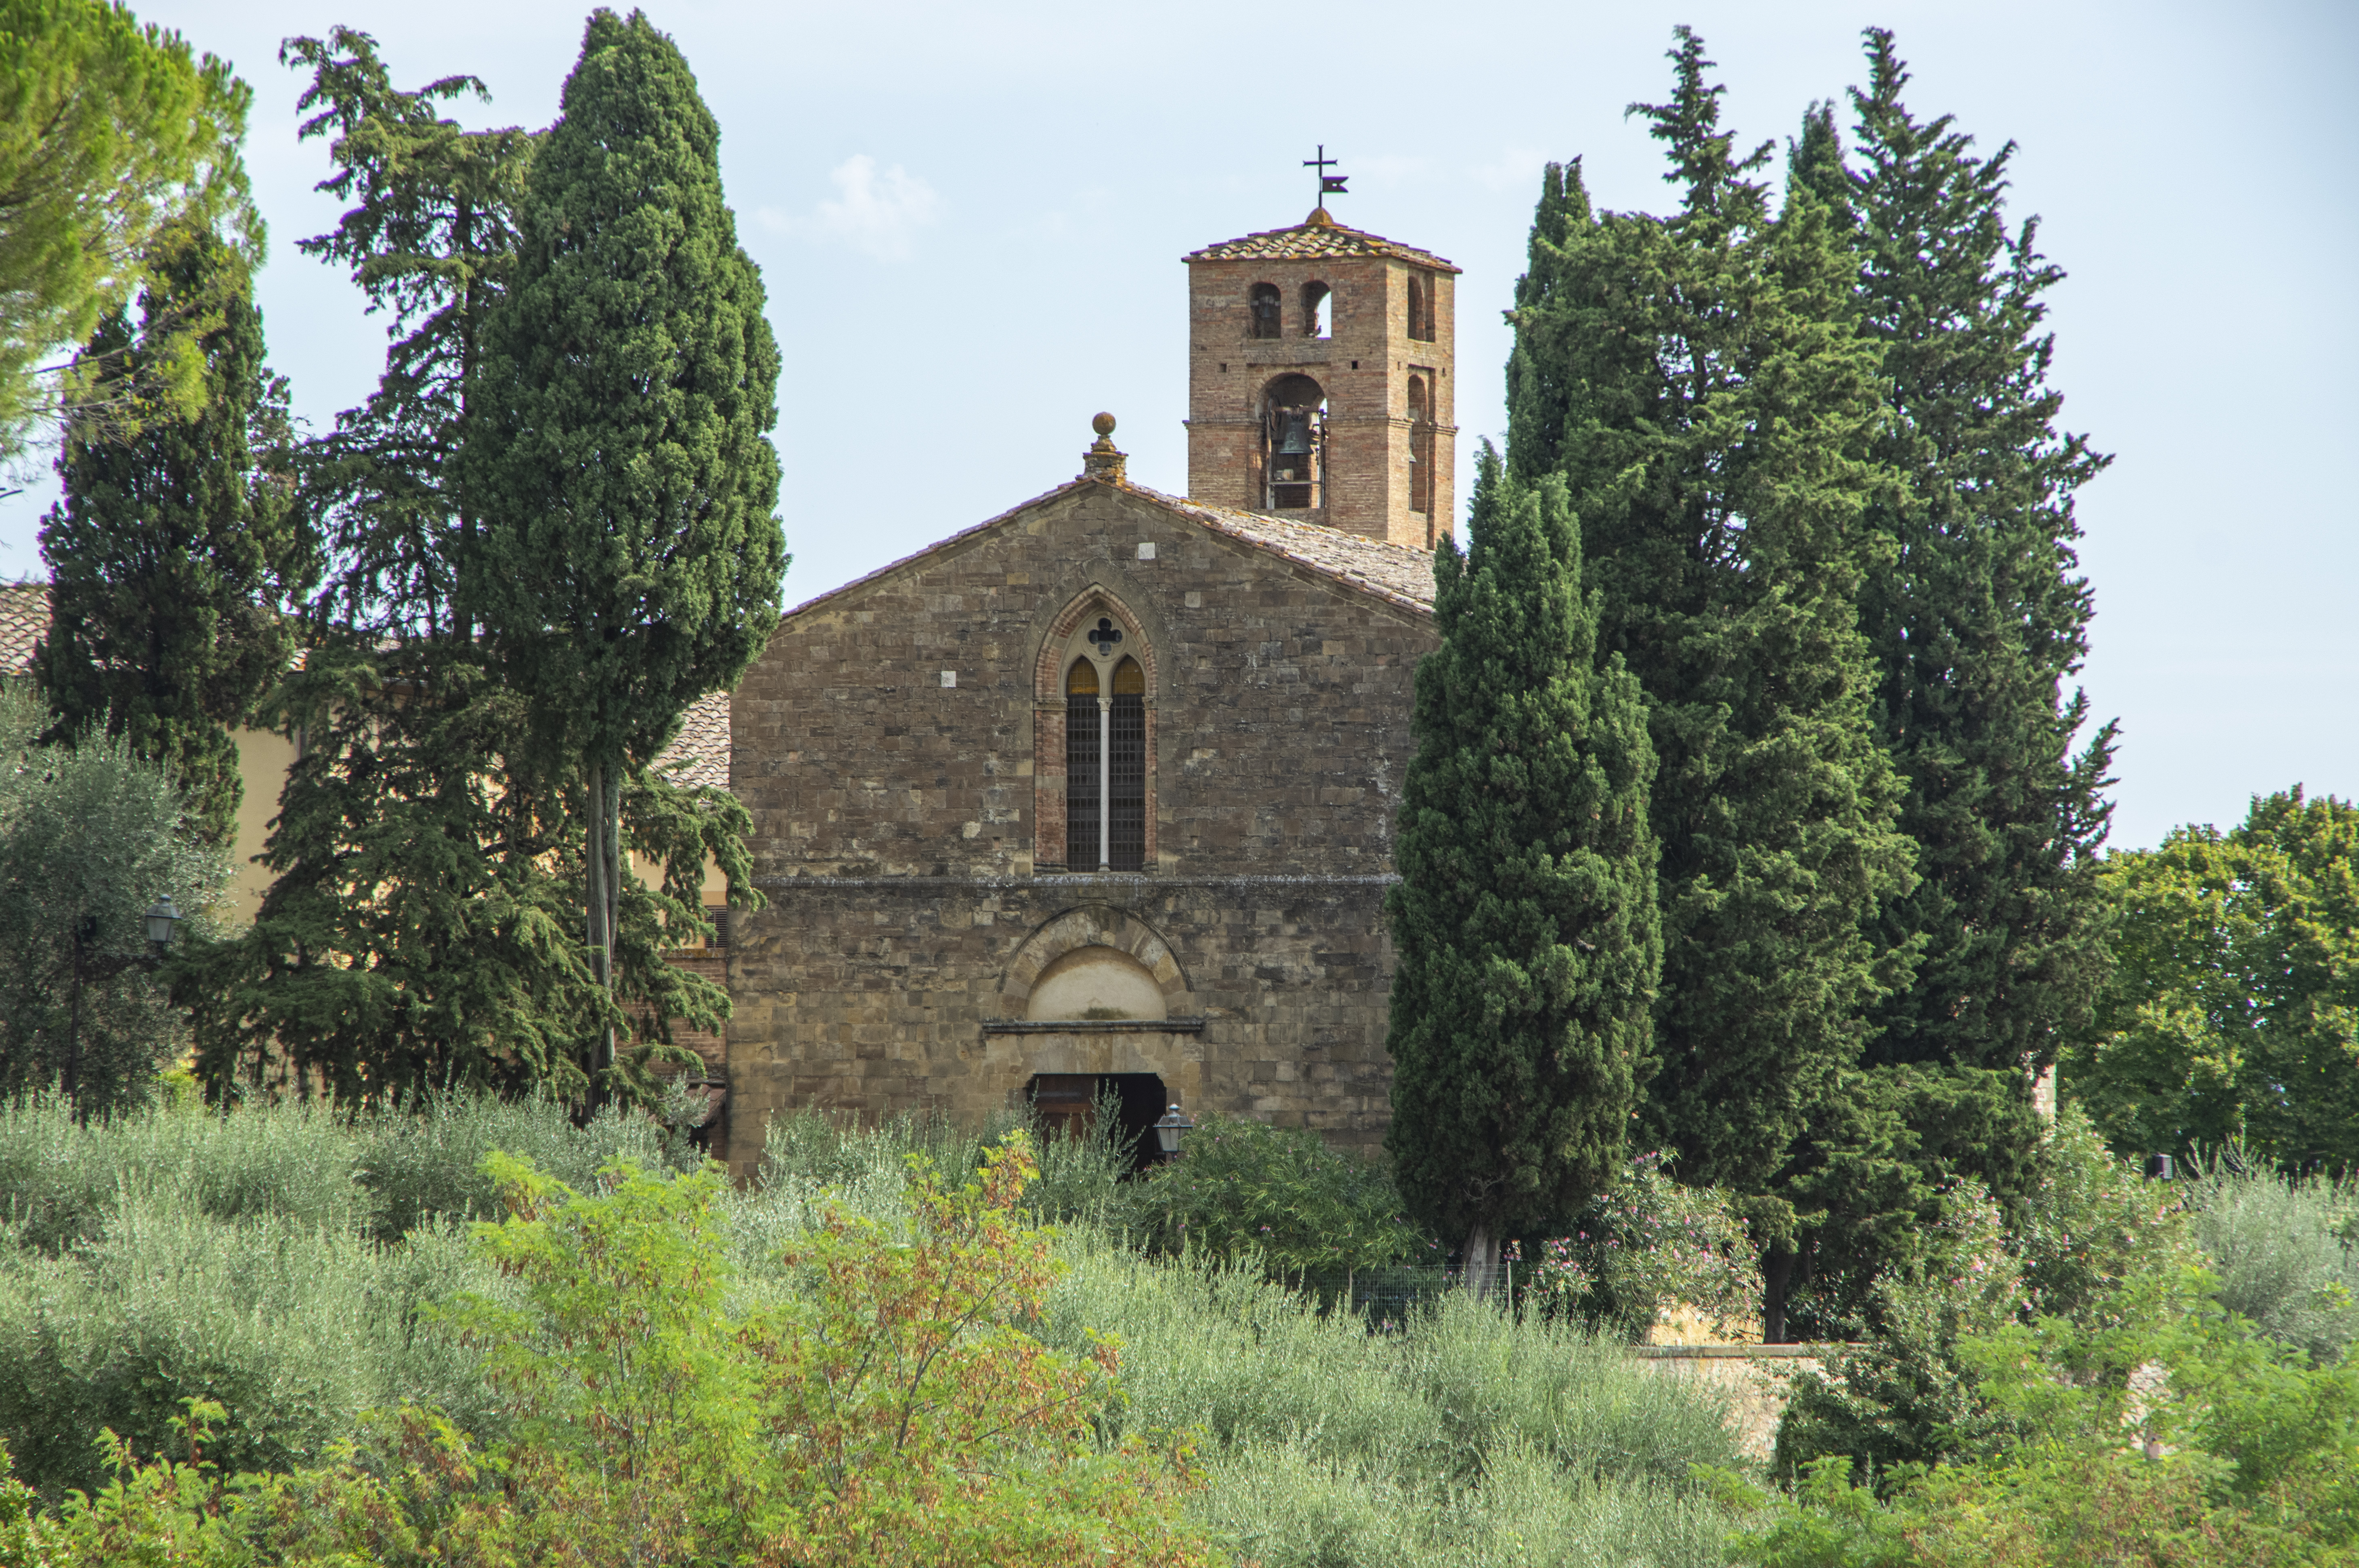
column 1067, row 1104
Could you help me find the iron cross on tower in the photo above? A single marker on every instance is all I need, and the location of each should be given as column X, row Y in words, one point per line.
column 1328, row 184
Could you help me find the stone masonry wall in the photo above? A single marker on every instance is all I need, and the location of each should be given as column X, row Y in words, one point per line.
column 894, row 821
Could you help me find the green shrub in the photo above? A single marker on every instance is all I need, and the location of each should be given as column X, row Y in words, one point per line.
column 253, row 1259
column 1083, row 1180
column 2239, row 1452
column 2285, row 1249
column 1643, row 1247
column 1907, row 1397
column 2091, row 1227
column 2090, row 1223
column 1283, row 1194
column 295, row 1329
column 1215, row 1344
column 62, row 1177
column 1448, row 1441
column 423, row 1161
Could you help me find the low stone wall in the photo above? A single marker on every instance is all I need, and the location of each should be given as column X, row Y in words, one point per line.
column 1756, row 1377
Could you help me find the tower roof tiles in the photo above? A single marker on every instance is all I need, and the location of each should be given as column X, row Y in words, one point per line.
column 1315, row 237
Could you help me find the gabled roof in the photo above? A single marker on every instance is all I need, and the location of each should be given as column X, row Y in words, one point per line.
column 1390, row 572
column 1316, row 236
column 701, row 755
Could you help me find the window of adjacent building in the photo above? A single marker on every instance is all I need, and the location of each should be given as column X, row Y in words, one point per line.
column 1105, row 766
column 1315, row 298
column 1262, row 302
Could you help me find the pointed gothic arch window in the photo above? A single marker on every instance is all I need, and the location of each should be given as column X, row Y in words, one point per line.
column 1102, row 681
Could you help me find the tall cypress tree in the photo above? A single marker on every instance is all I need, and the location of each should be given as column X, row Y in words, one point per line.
column 629, row 560
column 1974, row 613
column 429, row 868
column 1525, row 920
column 173, row 553
column 1696, row 381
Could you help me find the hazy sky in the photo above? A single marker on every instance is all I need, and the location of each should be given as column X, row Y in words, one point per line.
column 970, row 220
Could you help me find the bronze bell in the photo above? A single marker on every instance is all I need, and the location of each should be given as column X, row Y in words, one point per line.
column 1297, row 441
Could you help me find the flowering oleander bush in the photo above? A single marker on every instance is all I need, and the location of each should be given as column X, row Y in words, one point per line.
column 1646, row 1248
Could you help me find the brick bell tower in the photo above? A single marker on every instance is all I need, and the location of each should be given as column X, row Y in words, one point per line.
column 1320, row 384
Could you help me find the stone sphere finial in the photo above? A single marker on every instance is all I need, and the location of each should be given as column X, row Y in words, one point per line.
column 1102, row 461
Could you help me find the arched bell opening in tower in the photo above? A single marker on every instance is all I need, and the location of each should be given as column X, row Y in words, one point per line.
column 1294, row 444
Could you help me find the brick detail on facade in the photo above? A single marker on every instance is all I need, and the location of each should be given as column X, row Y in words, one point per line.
column 1364, row 365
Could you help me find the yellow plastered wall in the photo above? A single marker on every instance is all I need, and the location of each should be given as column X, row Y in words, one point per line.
column 264, row 761
column 716, row 886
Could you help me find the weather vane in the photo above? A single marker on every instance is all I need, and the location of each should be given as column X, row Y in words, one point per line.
column 1328, row 184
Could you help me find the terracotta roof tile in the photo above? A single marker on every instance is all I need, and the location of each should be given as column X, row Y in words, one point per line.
column 1312, row 239
column 24, row 621
column 701, row 755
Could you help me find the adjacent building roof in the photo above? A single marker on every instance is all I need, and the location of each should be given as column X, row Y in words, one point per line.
column 1316, row 236
column 24, row 621
column 701, row 755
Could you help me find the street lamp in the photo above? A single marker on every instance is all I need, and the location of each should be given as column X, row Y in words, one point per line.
column 161, row 917
column 1168, row 1131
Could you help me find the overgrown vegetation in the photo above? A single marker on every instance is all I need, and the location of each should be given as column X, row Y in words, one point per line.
column 563, row 1372
column 90, row 837
column 298, row 1268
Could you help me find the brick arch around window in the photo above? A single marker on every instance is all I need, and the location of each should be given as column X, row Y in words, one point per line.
column 1067, row 636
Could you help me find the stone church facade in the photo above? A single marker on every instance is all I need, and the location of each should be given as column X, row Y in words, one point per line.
column 1097, row 797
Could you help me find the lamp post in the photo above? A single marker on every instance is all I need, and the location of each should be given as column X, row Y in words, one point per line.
column 1168, row 1131
column 161, row 918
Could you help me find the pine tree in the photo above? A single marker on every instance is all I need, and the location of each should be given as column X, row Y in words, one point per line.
column 430, row 871
column 629, row 561
column 1696, row 381
column 1974, row 613
column 173, row 553
column 1525, row 918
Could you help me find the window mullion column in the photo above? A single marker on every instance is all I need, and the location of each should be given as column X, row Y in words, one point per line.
column 1106, row 783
